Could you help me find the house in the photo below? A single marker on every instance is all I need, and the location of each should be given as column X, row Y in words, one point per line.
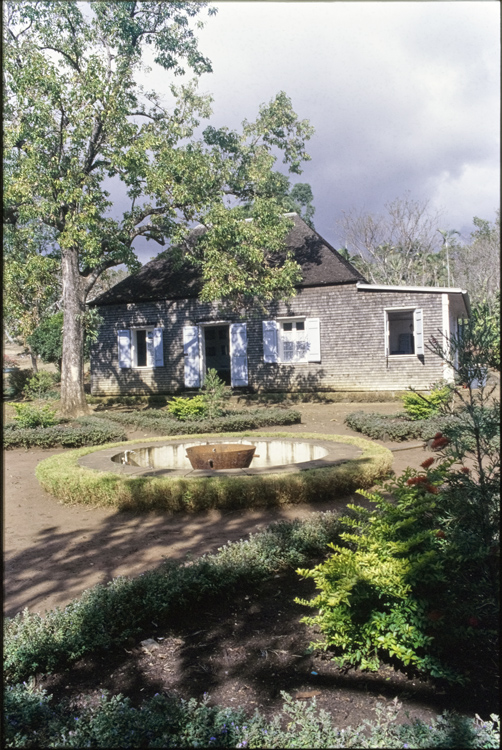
column 338, row 333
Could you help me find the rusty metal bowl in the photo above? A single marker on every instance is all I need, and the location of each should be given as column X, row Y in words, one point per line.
column 221, row 456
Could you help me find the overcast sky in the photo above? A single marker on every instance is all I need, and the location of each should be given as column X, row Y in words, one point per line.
column 404, row 97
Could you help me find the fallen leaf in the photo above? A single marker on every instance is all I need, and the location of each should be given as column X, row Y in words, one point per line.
column 306, row 694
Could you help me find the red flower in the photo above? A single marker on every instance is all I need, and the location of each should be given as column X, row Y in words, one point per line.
column 440, row 534
column 473, row 621
column 465, row 470
column 433, row 490
column 438, row 435
column 428, row 462
column 439, row 443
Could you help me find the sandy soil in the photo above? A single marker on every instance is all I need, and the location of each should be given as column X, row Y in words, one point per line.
column 53, row 552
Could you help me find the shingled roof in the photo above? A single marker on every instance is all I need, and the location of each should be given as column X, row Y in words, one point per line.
column 320, row 263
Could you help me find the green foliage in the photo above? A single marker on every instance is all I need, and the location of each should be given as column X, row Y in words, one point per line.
column 158, row 421
column 187, row 408
column 419, row 407
column 32, row 720
column 18, row 380
column 85, row 431
column 214, row 394
column 32, row 415
column 40, row 385
column 105, row 616
column 46, row 341
column 378, row 591
column 397, row 426
column 63, row 478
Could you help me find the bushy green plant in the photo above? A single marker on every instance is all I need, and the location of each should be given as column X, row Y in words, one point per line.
column 39, row 385
column 32, row 721
column 86, row 431
column 32, row 415
column 46, row 341
column 214, row 393
column 187, row 408
column 17, row 381
column 377, row 592
column 419, row 407
column 397, row 427
column 158, row 421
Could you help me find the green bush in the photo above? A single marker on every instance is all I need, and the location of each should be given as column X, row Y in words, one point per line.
column 379, row 592
column 31, row 415
column 233, row 421
column 46, row 341
column 17, row 381
column 85, row 431
column 418, row 406
column 187, row 408
column 214, row 393
column 32, row 721
column 397, row 427
column 40, row 385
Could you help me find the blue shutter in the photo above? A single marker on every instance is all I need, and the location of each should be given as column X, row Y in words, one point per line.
column 270, row 341
column 313, row 327
column 238, row 354
column 158, row 348
column 124, row 346
column 191, row 356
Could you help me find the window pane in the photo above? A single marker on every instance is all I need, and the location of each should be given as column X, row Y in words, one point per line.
column 210, row 334
column 287, row 326
column 288, row 350
column 401, row 338
column 141, row 348
column 300, row 325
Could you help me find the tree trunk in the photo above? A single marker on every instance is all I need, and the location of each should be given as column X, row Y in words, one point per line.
column 33, row 356
column 73, row 403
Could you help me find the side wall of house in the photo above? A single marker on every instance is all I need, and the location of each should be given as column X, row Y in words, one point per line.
column 352, row 333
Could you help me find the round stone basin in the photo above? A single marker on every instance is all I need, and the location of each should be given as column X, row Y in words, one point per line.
column 273, row 456
column 269, row 454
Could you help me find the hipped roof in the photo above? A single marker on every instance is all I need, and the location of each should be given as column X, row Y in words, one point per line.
column 160, row 279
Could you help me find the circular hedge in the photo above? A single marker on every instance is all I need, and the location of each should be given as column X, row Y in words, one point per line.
column 65, row 479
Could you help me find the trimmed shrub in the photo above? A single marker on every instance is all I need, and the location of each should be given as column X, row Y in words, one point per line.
column 65, row 479
column 397, row 426
column 187, row 408
column 86, row 431
column 159, row 421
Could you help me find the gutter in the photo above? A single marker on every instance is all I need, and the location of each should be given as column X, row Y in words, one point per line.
column 421, row 289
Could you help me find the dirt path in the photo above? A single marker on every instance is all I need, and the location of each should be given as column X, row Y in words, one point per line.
column 53, row 552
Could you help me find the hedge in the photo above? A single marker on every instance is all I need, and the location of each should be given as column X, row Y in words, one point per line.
column 86, row 431
column 397, row 427
column 64, row 478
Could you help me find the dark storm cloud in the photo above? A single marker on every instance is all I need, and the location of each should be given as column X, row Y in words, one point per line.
column 404, row 97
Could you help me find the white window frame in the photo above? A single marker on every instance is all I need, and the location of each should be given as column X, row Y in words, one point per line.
column 417, row 333
column 150, row 353
column 128, row 348
column 274, row 339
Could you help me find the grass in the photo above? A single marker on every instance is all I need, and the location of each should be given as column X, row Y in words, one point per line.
column 65, row 479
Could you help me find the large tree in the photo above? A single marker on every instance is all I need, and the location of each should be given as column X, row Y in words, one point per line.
column 77, row 122
column 476, row 264
column 401, row 246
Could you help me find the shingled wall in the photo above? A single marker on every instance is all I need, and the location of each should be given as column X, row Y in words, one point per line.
column 352, row 343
